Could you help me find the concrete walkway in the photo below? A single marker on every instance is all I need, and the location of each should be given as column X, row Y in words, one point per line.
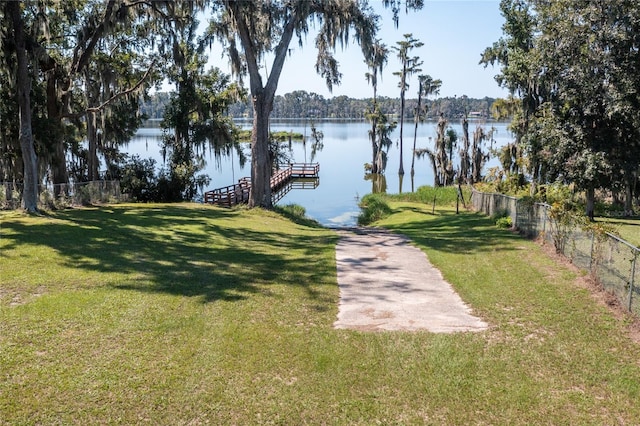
column 386, row 283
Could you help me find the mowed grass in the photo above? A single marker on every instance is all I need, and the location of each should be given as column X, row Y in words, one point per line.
column 184, row 314
column 628, row 228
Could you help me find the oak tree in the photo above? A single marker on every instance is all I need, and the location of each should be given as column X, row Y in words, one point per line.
column 257, row 31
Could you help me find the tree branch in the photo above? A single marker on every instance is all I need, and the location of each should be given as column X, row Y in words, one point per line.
column 249, row 48
column 281, row 53
column 113, row 98
column 124, row 93
column 83, row 58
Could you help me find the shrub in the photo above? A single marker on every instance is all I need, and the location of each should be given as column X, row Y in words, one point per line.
column 292, row 210
column 499, row 214
column 504, row 222
column 513, row 184
column 556, row 193
column 374, row 207
column 564, row 220
column 85, row 194
column 502, row 219
column 139, row 179
column 297, row 214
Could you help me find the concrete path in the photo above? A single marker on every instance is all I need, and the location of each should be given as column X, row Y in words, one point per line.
column 386, row 283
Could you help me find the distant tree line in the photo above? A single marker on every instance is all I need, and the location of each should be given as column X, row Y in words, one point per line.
column 302, row 104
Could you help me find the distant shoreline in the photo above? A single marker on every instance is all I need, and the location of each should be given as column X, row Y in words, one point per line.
column 155, row 122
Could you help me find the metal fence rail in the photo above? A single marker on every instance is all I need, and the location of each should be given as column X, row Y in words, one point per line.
column 59, row 195
column 611, row 260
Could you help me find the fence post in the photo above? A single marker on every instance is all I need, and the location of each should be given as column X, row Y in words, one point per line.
column 631, row 281
column 593, row 239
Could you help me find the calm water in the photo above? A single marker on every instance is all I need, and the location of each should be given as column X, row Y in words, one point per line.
column 342, row 177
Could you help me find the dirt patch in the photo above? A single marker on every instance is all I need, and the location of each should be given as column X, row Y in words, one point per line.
column 18, row 299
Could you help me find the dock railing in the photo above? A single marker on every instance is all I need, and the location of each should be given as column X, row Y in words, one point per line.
column 230, row 195
column 304, row 169
column 239, row 193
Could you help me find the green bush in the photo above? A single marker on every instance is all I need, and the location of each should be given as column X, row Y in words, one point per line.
column 139, row 180
column 84, row 195
column 499, row 214
column 297, row 214
column 513, row 184
column 294, row 210
column 374, row 207
column 564, row 220
column 556, row 192
column 502, row 219
column 504, row 222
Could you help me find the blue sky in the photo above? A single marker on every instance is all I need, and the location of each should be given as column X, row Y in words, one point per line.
column 454, row 33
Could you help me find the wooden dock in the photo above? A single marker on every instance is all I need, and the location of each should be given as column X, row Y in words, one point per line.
column 239, row 193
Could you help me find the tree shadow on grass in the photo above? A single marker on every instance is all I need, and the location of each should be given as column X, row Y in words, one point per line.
column 191, row 251
column 456, row 233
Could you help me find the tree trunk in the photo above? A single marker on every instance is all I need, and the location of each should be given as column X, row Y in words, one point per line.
column 92, row 131
column 440, row 151
column 374, row 125
column 436, row 176
column 379, row 183
column 260, row 162
column 415, row 136
column 628, row 198
column 58, row 164
column 591, row 201
column 92, row 139
column 535, row 175
column 374, row 148
column 58, row 160
column 374, row 144
column 30, row 190
column 59, row 167
column 476, row 155
column 262, row 98
column 464, row 153
column 401, row 168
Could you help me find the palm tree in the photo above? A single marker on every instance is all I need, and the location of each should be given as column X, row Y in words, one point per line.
column 410, row 65
column 427, row 87
column 376, row 62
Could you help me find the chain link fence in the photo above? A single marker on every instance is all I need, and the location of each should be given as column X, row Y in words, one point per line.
column 611, row 260
column 63, row 195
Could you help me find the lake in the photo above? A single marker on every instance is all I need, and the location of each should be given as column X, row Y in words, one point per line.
column 342, row 176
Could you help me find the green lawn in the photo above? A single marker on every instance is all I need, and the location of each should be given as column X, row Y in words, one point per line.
column 627, row 227
column 184, row 314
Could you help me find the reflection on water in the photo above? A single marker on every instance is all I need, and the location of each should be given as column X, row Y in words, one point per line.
column 378, row 182
column 294, row 184
column 344, row 150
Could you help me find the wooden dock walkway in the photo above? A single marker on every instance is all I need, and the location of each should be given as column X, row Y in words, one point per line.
column 239, row 193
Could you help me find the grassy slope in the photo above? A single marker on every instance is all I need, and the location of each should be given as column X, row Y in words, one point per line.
column 185, row 314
